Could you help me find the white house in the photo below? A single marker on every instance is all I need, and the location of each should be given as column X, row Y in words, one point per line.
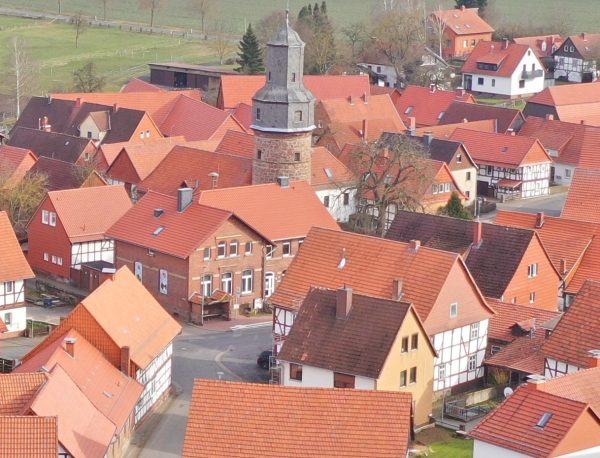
column 503, row 69
column 13, row 273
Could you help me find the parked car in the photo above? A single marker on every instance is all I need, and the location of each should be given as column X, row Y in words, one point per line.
column 264, row 359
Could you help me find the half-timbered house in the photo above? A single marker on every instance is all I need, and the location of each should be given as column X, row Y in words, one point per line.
column 575, row 59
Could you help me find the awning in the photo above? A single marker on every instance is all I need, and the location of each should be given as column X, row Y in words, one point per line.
column 509, row 183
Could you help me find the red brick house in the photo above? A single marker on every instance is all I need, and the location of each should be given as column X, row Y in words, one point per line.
column 67, row 230
column 194, row 259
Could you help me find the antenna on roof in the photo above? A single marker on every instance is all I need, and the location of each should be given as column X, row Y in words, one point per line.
column 287, row 14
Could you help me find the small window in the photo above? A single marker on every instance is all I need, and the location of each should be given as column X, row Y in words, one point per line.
column 207, row 285
column 543, row 421
column 163, row 281
column 269, row 76
column 532, row 297
column 404, row 348
column 298, row 116
column 521, row 84
column 490, row 169
column 59, row 261
column 413, row 375
column 402, row 379
column 8, row 318
column 532, row 270
column 346, row 198
column 46, row 256
column 227, row 282
column 53, row 259
column 568, row 173
column 221, row 250
column 52, row 218
column 493, row 82
column 207, row 253
column 89, row 134
column 442, row 372
column 474, row 331
column 566, row 48
column 147, row 134
column 297, row 157
column 258, row 113
column 495, row 349
column 468, row 194
column 468, row 176
column 459, row 158
column 233, row 248
column 378, row 69
column 269, row 250
column 247, row 277
column 293, row 77
column 472, row 362
column 9, row 287
column 343, row 380
column 286, row 248
column 248, row 249
column 571, row 49
column 465, row 43
column 472, row 41
column 326, row 201
column 259, row 154
column 453, row 310
column 295, row 372
column 45, row 217
column 480, row 81
column 414, row 342
column 141, row 134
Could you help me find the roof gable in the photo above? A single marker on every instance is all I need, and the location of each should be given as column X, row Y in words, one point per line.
column 14, row 266
column 584, row 194
column 506, row 118
column 506, row 56
column 463, row 21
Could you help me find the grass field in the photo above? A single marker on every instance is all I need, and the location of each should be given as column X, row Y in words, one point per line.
column 580, row 14
column 453, row 448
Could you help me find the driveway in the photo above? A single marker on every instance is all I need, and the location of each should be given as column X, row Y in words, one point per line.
column 200, row 353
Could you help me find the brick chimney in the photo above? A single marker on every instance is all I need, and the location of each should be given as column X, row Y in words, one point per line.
column 432, row 88
column 594, row 358
column 70, row 345
column 412, row 125
column 365, row 98
column 549, row 117
column 125, row 360
column 115, row 107
column 414, row 245
column 460, row 91
column 539, row 220
column 534, row 381
column 343, row 302
column 365, row 125
column 397, row 292
column 477, row 234
column 563, row 266
column 78, row 102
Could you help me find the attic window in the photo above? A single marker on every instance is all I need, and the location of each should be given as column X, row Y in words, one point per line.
column 408, row 109
column 542, row 422
column 328, row 172
column 158, row 230
column 441, row 115
column 504, row 149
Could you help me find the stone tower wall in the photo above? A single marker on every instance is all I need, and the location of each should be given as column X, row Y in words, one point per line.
column 278, row 157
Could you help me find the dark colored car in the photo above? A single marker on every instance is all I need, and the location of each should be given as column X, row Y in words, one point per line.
column 264, row 358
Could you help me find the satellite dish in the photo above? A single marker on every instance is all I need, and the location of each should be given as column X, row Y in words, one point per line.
column 508, row 391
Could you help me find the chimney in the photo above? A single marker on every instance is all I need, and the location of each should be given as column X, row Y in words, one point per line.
column 462, row 7
column 78, row 102
column 427, row 138
column 432, row 88
column 397, row 292
column 215, row 179
column 49, row 99
column 506, row 43
column 184, row 198
column 477, row 234
column 45, row 125
column 70, row 344
column 125, row 360
column 549, row 117
column 365, row 98
column 351, row 99
column 343, row 302
column 460, row 91
column 364, row 129
column 582, row 122
column 115, row 107
column 414, row 245
column 283, row 182
column 533, row 381
column 583, row 35
column 563, row 266
column 539, row 220
column 594, row 358
column 158, row 212
column 412, row 125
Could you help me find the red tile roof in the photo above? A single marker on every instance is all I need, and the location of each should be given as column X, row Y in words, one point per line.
column 86, row 213
column 513, row 425
column 29, row 437
column 18, row 390
column 237, row 144
column 542, row 46
column 290, row 212
column 14, row 266
column 243, row 113
column 191, row 167
column 578, row 331
column 509, row 315
column 582, row 386
column 464, row 21
column 427, row 106
column 15, row 163
column 506, row 118
column 524, row 354
column 82, row 429
column 358, row 345
column 143, row 158
column 588, row 268
column 183, row 231
column 328, row 171
column 584, row 194
column 507, row 58
column 500, row 149
column 324, row 422
column 138, row 85
column 236, row 89
column 445, row 131
column 110, row 151
column 107, row 388
column 563, row 238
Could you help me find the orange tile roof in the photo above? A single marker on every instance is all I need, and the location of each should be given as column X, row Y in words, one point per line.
column 513, row 424
column 507, row 58
column 582, row 386
column 423, row 272
column 18, row 390
column 110, row 151
column 508, row 315
column 236, row 89
column 584, row 194
column 327, row 170
column 29, row 437
column 501, row 149
column 427, row 106
column 351, row 133
column 82, row 429
column 324, row 422
column 523, row 354
column 345, row 111
column 183, row 231
column 107, row 388
column 578, row 331
column 86, row 213
column 237, row 144
column 563, row 238
column 588, row 268
column 542, row 46
column 138, row 85
column 191, row 167
column 290, row 212
column 568, row 94
column 464, row 21
column 15, row 163
column 143, row 158
column 445, row 131
column 243, row 113
column 14, row 266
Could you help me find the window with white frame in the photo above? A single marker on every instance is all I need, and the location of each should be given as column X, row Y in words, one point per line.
column 207, row 253
column 46, row 256
column 568, row 173
column 59, row 260
column 247, row 279
column 532, row 270
column 53, row 259
column 163, row 281
column 52, row 218
column 474, row 331
column 459, row 158
column 8, row 318
column 45, row 217
column 233, row 248
column 269, row 250
column 221, row 249
column 286, row 248
column 227, row 282
column 249, row 248
column 532, row 297
column 9, row 287
column 454, row 310
column 207, row 285
column 472, row 362
column 441, row 372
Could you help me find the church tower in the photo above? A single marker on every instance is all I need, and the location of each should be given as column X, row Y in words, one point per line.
column 283, row 114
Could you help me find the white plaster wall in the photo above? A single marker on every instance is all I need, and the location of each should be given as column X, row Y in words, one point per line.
column 560, row 170
column 316, row 377
column 471, row 185
column 18, row 294
column 18, row 319
column 336, row 208
column 485, row 450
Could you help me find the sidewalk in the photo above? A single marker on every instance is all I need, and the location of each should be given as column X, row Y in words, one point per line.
column 241, row 320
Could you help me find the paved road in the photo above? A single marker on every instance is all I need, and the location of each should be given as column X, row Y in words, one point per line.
column 199, row 353
column 550, row 205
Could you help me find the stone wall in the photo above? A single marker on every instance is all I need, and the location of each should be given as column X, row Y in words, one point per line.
column 276, row 156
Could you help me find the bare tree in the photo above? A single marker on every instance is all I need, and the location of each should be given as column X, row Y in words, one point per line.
column 439, row 27
column 222, row 43
column 86, row 79
column 59, row 7
column 80, row 26
column 268, row 26
column 153, row 6
column 355, row 35
column 203, row 8
column 22, row 72
column 105, row 3
column 393, row 173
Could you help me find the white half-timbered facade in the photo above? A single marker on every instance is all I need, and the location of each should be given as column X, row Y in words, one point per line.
column 283, row 319
column 12, row 305
column 460, row 355
column 575, row 60
column 554, row 368
column 96, row 250
column 532, row 180
column 156, row 378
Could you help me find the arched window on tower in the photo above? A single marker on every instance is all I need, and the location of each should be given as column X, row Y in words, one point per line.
column 298, row 116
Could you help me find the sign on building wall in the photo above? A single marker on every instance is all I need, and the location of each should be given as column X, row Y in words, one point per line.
column 163, row 281
column 137, row 267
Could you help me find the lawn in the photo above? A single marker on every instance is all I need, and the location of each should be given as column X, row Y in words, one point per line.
column 440, row 442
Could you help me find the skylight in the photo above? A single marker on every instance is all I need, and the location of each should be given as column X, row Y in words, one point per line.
column 408, row 109
column 328, row 172
column 158, row 230
column 542, row 422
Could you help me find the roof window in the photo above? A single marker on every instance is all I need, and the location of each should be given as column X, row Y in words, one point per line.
column 408, row 109
column 158, row 230
column 328, row 172
column 543, row 421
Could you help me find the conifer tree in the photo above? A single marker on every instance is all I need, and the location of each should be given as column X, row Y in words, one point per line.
column 250, row 56
column 454, row 208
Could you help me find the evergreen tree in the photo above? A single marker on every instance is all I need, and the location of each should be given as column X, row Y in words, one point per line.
column 309, row 9
column 316, row 11
column 250, row 56
column 304, row 13
column 324, row 8
column 455, row 208
column 481, row 4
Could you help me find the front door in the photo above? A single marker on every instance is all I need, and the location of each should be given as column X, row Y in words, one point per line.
column 269, row 283
column 468, row 82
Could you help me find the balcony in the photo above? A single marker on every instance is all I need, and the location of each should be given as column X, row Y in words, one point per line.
column 529, row 75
